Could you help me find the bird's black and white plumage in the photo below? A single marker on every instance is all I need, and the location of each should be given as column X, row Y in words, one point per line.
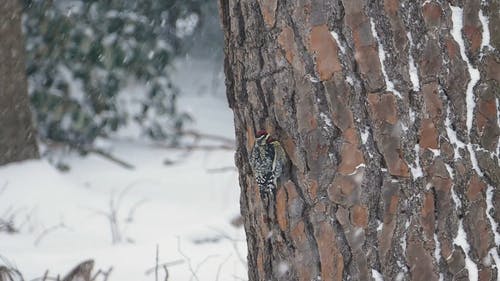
column 267, row 161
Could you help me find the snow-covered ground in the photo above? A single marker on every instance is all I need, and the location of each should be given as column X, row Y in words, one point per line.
column 182, row 201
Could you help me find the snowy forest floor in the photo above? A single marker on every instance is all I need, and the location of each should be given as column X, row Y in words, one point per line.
column 180, row 201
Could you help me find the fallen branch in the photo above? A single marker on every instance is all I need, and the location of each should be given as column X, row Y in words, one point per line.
column 110, row 157
column 221, row 170
column 107, row 155
column 196, row 147
column 198, row 135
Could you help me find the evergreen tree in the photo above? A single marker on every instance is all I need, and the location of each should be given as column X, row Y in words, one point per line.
column 81, row 55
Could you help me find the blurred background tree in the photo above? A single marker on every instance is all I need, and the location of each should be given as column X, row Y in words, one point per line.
column 81, row 55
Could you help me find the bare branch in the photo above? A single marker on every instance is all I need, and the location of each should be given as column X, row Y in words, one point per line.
column 110, row 157
column 222, row 170
column 166, row 272
column 156, row 267
column 98, row 151
column 105, row 274
column 47, row 231
column 188, row 260
column 199, row 135
column 134, row 208
column 219, row 268
column 168, row 264
column 233, row 243
column 202, row 263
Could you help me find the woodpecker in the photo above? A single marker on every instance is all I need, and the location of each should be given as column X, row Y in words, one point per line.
column 267, row 161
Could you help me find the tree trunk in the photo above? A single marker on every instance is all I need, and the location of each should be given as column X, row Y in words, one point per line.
column 17, row 136
column 388, row 111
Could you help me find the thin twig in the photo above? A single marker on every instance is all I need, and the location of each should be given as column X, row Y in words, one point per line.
column 188, row 260
column 233, row 243
column 110, row 157
column 168, row 264
column 156, row 264
column 103, row 273
column 46, row 231
column 238, row 278
column 202, row 263
column 133, row 209
column 221, row 170
column 219, row 268
column 166, row 273
column 98, row 151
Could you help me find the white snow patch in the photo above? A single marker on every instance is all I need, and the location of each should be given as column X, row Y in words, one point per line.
column 364, row 135
column 76, row 91
column 183, row 200
column 435, row 152
column 416, row 169
column 412, row 115
column 283, row 268
column 336, row 37
column 473, row 159
column 400, row 276
column 494, row 254
column 498, row 121
column 377, row 276
column 489, row 208
column 326, row 119
column 362, row 165
column 457, row 19
column 404, row 128
column 485, row 43
column 349, row 80
column 456, row 200
column 380, row 225
column 456, row 32
column 461, row 240
column 412, row 67
column 450, row 170
column 452, row 135
column 185, row 26
column 312, row 78
column 358, row 232
column 437, row 249
column 381, row 54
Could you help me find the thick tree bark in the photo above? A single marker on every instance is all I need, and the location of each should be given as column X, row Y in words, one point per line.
column 17, row 136
column 389, row 113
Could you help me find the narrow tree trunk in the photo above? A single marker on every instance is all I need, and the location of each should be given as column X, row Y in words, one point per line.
column 17, row 136
column 389, row 113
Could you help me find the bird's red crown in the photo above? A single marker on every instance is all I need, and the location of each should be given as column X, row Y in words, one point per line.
column 261, row 133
